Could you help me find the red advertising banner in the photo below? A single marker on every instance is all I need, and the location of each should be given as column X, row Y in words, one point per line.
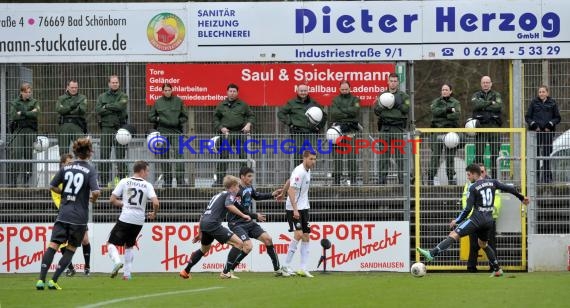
column 265, row 84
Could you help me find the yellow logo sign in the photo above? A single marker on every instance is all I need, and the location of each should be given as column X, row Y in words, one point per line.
column 166, row 31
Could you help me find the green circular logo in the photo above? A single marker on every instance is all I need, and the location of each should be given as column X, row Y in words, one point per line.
column 165, row 31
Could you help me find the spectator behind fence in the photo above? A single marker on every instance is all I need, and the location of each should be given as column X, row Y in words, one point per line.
column 487, row 109
column 233, row 119
column 169, row 116
column 112, row 110
column 71, row 107
column 391, row 125
column 24, row 113
column 345, row 114
column 445, row 112
column 293, row 116
column 542, row 116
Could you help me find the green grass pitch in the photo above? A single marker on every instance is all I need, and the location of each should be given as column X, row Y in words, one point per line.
column 263, row 290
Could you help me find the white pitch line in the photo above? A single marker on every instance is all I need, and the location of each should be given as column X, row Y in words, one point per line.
column 124, row 299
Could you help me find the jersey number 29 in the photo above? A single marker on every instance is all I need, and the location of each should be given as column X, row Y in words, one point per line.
column 73, row 182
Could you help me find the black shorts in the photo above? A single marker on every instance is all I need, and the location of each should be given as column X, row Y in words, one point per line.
column 214, row 231
column 124, row 234
column 469, row 227
column 298, row 224
column 247, row 230
column 65, row 232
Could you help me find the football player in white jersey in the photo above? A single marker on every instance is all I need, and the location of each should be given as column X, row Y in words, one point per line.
column 130, row 195
column 297, row 211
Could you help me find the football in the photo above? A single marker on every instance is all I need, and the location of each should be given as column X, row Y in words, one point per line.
column 451, row 140
column 418, row 269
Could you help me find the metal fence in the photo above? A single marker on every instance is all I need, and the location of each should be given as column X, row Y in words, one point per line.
column 365, row 199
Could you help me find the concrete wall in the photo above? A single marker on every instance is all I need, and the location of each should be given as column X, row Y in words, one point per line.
column 548, row 252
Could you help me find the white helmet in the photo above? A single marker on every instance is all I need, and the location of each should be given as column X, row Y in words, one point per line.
column 472, row 123
column 451, row 140
column 387, row 100
column 123, row 136
column 334, row 133
column 151, row 136
column 215, row 142
column 41, row 144
column 314, row 114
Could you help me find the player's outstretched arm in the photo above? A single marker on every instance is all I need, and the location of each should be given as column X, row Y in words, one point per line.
column 233, row 209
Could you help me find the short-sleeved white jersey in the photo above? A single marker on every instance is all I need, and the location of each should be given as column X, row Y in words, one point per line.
column 301, row 180
column 135, row 192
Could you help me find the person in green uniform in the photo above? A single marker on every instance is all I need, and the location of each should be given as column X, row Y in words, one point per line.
column 71, row 107
column 301, row 130
column 391, row 125
column 445, row 112
column 487, row 108
column 112, row 110
column 24, row 113
column 169, row 116
column 233, row 120
column 345, row 113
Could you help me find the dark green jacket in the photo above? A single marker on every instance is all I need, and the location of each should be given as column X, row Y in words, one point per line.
column 398, row 115
column 293, row 115
column 441, row 112
column 68, row 105
column 484, row 110
column 232, row 115
column 345, row 108
column 112, row 108
column 27, row 118
column 169, row 112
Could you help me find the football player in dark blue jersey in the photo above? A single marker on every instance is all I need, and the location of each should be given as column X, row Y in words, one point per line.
column 211, row 226
column 480, row 199
column 246, row 230
column 79, row 187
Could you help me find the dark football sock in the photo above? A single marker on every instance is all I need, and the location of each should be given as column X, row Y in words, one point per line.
column 62, row 250
column 442, row 246
column 46, row 262
column 233, row 255
column 274, row 259
column 87, row 255
column 239, row 259
column 492, row 258
column 63, row 263
column 194, row 258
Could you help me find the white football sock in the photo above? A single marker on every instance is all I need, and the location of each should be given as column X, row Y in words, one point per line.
column 291, row 252
column 129, row 257
column 304, row 255
column 113, row 253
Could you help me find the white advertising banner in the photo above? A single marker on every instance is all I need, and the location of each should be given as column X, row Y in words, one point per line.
column 356, row 246
column 379, row 30
column 93, row 32
column 299, row 31
column 306, row 31
column 496, row 29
